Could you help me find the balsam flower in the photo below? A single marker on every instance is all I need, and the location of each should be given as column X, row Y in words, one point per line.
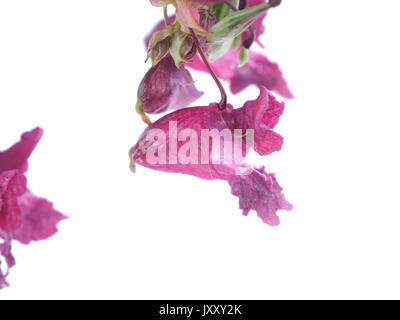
column 188, row 141
column 23, row 216
column 178, row 143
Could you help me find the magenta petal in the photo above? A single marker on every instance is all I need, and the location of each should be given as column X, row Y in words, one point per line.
column 16, row 157
column 262, row 115
column 166, row 87
column 260, row 71
column 39, row 219
column 261, row 192
column 12, row 185
column 225, row 67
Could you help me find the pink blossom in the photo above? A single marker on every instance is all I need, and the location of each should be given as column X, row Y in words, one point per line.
column 259, row 70
column 23, row 216
column 256, row 189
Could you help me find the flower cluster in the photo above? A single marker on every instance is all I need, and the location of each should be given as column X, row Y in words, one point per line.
column 214, row 36
column 23, row 216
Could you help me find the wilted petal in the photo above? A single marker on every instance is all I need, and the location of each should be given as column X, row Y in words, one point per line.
column 262, row 115
column 39, row 219
column 261, row 192
column 257, row 71
column 260, row 71
column 12, row 185
column 225, row 67
column 196, row 118
column 166, row 87
column 16, row 157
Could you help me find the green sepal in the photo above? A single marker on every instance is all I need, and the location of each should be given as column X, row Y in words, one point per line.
column 243, row 57
column 159, row 45
column 182, row 48
column 235, row 23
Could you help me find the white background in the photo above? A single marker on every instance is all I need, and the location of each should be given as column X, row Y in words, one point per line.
column 72, row 67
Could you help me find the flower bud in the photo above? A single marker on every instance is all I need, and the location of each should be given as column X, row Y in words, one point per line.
column 188, row 48
column 242, row 4
column 165, row 87
column 183, row 47
column 159, row 44
column 274, row 3
column 207, row 18
column 159, row 51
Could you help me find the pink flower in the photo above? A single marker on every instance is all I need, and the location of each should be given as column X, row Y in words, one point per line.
column 183, row 142
column 259, row 70
column 23, row 216
column 166, row 87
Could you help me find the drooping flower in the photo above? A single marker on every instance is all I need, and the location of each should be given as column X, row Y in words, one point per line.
column 188, row 141
column 23, row 216
column 166, row 87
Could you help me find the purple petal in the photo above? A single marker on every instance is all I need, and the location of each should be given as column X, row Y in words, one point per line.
column 225, row 67
column 262, row 72
column 261, row 192
column 17, row 156
column 12, row 185
column 39, row 219
column 262, row 115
